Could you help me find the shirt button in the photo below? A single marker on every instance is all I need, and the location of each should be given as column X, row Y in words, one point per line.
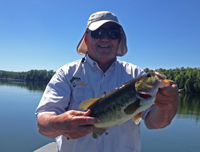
column 104, row 92
column 104, row 75
column 106, row 133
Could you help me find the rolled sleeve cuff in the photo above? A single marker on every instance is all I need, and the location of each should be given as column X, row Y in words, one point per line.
column 144, row 114
column 41, row 113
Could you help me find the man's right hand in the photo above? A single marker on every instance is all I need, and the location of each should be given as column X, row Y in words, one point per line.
column 72, row 124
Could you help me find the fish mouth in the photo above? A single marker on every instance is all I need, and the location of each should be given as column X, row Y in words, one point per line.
column 144, row 95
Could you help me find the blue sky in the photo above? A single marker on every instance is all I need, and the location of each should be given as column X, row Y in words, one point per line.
column 43, row 34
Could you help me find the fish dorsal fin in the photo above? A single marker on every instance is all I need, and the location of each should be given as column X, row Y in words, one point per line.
column 130, row 109
column 137, row 118
column 103, row 95
column 98, row 132
column 87, row 103
column 109, row 93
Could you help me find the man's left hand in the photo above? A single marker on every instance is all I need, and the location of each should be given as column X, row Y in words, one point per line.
column 167, row 97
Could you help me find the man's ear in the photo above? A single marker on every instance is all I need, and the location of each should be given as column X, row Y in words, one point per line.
column 86, row 39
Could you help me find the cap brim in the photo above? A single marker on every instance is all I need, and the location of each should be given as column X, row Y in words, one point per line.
column 95, row 25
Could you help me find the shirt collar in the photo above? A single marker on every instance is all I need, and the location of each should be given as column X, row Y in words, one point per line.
column 94, row 65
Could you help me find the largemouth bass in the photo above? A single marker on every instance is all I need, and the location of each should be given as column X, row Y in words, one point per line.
column 125, row 102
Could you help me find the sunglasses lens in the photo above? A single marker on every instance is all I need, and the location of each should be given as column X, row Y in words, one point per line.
column 98, row 34
column 111, row 33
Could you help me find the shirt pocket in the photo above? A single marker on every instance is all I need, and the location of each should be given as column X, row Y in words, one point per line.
column 79, row 94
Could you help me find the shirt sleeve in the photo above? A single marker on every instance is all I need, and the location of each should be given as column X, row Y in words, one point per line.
column 144, row 114
column 56, row 96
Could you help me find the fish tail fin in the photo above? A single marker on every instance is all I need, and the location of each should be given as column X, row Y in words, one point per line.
column 98, row 132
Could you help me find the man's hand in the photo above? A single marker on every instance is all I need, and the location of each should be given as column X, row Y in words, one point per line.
column 167, row 97
column 165, row 107
column 75, row 124
column 72, row 124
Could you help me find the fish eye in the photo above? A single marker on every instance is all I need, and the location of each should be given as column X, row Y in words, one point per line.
column 148, row 75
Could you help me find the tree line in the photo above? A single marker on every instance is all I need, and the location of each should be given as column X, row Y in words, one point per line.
column 187, row 79
column 29, row 85
column 32, row 75
column 189, row 106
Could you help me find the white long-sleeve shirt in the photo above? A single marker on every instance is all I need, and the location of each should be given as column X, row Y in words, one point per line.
column 64, row 93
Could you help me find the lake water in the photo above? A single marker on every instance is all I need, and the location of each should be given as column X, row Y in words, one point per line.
column 18, row 128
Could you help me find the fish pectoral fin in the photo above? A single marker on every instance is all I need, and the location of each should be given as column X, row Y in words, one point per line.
column 87, row 103
column 130, row 109
column 98, row 132
column 137, row 118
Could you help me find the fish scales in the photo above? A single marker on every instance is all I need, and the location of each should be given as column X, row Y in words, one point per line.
column 111, row 107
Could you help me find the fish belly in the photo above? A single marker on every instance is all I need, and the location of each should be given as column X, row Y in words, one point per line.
column 112, row 123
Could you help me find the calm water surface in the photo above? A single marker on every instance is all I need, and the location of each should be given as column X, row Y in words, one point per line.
column 183, row 135
column 18, row 128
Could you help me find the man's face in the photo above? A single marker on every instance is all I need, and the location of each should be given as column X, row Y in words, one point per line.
column 102, row 50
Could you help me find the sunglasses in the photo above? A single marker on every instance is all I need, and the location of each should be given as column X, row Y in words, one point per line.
column 111, row 33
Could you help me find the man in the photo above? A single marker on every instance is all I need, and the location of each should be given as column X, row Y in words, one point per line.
column 95, row 75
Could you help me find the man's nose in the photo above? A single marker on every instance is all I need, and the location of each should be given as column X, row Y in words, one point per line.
column 105, row 37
